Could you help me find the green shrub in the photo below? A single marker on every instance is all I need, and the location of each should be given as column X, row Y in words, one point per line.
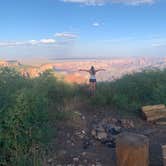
column 133, row 91
column 28, row 110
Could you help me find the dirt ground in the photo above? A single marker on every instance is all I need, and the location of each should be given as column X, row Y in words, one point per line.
column 75, row 146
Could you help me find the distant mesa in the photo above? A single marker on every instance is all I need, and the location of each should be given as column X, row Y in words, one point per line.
column 10, row 63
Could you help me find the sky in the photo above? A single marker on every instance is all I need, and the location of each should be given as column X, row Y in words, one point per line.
column 82, row 28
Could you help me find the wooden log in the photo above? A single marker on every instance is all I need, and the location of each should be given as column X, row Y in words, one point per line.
column 153, row 113
column 153, row 107
column 154, row 118
column 164, row 154
column 132, row 150
column 161, row 121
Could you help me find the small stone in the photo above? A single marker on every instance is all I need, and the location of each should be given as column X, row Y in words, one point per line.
column 68, row 142
column 100, row 128
column 83, row 132
column 50, row 160
column 83, row 153
column 101, row 135
column 62, row 152
column 72, row 144
column 83, row 117
column 85, row 161
column 98, row 164
column 75, row 159
column 86, row 143
column 68, row 135
column 93, row 133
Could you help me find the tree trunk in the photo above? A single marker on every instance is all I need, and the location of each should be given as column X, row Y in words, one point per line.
column 132, row 150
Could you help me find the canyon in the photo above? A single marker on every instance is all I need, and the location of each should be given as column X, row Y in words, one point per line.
column 68, row 69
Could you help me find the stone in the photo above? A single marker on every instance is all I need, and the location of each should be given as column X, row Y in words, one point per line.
column 62, row 152
column 86, row 143
column 127, row 123
column 101, row 135
column 50, row 160
column 83, row 153
column 68, row 135
column 75, row 159
column 83, row 132
column 93, row 133
column 98, row 164
column 85, row 161
column 68, row 142
column 83, row 117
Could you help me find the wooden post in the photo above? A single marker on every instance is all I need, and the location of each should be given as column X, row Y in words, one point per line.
column 132, row 150
column 164, row 154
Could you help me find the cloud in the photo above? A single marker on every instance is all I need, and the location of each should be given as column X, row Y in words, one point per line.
column 102, row 2
column 96, row 24
column 47, row 41
column 66, row 35
column 26, row 43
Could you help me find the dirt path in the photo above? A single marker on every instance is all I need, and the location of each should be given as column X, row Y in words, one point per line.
column 75, row 145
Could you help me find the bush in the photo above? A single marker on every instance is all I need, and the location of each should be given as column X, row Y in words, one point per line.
column 133, row 91
column 26, row 117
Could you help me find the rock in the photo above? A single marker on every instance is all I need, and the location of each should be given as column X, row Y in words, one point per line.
column 93, row 133
column 68, row 142
column 101, row 135
column 50, row 160
column 86, row 143
column 78, row 113
column 83, row 132
column 98, row 164
column 127, row 123
column 109, row 142
column 75, row 159
column 83, row 117
column 68, row 135
column 85, row 161
column 62, row 152
column 100, row 128
column 112, row 129
column 83, row 153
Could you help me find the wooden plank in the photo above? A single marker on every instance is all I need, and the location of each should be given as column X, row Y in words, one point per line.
column 153, row 107
column 157, row 117
column 155, row 112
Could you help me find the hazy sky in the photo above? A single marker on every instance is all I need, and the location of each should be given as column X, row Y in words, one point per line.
column 82, row 28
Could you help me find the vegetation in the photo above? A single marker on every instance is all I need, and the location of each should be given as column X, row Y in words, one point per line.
column 31, row 108
column 133, row 91
column 28, row 109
